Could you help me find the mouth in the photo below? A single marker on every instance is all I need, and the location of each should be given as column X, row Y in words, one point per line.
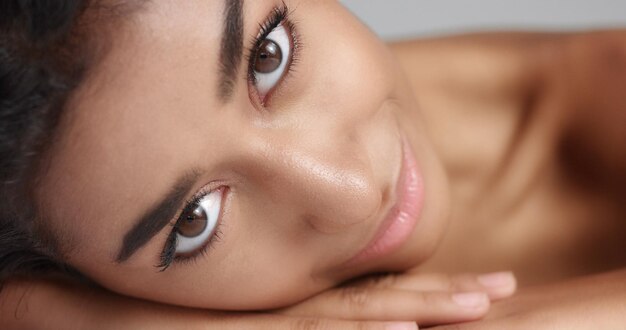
column 400, row 221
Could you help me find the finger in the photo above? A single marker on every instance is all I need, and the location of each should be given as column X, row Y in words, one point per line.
column 279, row 322
column 479, row 325
column 356, row 303
column 496, row 285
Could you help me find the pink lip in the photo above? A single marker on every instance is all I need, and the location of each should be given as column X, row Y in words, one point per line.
column 402, row 218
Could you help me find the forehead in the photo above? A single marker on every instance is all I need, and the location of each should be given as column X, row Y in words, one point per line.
column 123, row 139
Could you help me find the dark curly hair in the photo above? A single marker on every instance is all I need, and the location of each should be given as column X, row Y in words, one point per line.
column 46, row 48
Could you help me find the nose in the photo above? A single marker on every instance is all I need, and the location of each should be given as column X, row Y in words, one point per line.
column 325, row 185
column 336, row 195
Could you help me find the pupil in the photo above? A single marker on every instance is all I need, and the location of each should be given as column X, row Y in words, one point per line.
column 194, row 223
column 269, row 57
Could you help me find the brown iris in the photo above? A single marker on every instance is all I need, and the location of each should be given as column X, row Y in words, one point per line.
column 193, row 223
column 268, row 57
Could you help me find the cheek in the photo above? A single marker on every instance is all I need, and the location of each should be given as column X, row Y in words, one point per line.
column 260, row 264
column 252, row 278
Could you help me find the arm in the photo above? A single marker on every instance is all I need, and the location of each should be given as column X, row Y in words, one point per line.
column 592, row 302
column 53, row 304
column 368, row 304
column 58, row 304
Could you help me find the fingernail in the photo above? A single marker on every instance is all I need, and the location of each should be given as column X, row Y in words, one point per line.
column 401, row 326
column 471, row 299
column 496, row 280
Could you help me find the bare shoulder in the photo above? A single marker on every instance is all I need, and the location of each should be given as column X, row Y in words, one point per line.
column 575, row 81
column 589, row 79
column 482, row 87
column 534, row 125
column 514, row 57
column 490, row 63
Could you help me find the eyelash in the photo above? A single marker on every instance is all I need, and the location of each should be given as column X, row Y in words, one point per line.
column 279, row 15
column 168, row 255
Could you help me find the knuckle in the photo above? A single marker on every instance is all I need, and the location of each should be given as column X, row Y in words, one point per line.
column 365, row 326
column 451, row 282
column 454, row 327
column 434, row 277
column 356, row 298
column 430, row 299
column 463, row 281
column 446, row 281
column 309, row 324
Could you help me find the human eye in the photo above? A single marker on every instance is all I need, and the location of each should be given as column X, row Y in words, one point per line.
column 272, row 54
column 195, row 230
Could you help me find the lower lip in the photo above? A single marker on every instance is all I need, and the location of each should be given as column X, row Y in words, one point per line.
column 400, row 222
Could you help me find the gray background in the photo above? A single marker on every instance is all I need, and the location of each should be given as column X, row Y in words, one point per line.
column 399, row 19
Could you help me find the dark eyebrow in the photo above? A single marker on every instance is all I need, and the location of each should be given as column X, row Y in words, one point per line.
column 153, row 221
column 231, row 50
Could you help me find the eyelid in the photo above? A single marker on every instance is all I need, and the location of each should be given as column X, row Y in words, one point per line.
column 168, row 254
column 211, row 205
column 266, row 82
column 280, row 15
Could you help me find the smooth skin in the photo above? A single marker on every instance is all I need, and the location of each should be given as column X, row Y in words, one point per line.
column 546, row 195
column 311, row 172
column 501, row 112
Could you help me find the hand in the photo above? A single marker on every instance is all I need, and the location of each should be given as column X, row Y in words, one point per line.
column 31, row 304
column 58, row 304
column 423, row 298
column 54, row 304
column 594, row 302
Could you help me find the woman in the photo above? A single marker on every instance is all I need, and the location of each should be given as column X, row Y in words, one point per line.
column 239, row 156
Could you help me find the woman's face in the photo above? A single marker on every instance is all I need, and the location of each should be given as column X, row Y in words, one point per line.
column 242, row 163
